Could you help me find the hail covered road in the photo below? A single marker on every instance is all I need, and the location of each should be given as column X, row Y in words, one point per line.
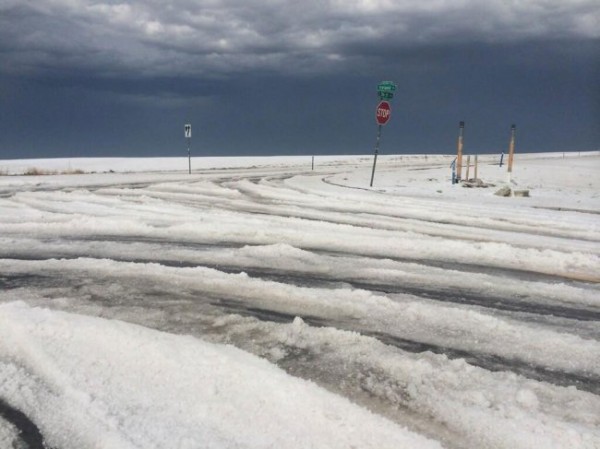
column 475, row 323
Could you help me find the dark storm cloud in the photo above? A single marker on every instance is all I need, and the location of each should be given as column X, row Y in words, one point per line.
column 215, row 38
column 81, row 77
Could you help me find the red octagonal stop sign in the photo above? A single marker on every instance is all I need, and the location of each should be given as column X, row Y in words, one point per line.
column 383, row 112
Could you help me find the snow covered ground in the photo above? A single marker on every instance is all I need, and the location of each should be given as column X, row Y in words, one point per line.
column 258, row 303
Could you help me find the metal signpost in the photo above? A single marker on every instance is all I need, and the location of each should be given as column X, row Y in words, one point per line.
column 385, row 91
column 188, row 135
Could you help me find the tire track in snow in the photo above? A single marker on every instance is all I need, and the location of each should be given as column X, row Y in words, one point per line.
column 460, row 296
column 489, row 361
column 520, row 274
column 29, row 433
column 269, row 194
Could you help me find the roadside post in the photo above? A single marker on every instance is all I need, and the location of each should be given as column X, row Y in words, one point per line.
column 501, row 158
column 312, row 166
column 468, row 167
column 459, row 152
column 511, row 151
column 453, row 167
column 476, row 167
column 385, row 91
column 188, row 136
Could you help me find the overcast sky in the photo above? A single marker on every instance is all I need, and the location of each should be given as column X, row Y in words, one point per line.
column 85, row 78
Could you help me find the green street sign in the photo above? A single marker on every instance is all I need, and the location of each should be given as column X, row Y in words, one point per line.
column 386, row 86
column 385, row 95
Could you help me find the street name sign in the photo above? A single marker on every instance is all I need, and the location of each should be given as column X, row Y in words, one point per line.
column 386, row 86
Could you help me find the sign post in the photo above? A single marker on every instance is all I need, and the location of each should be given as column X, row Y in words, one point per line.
column 382, row 115
column 468, row 167
column 188, row 135
column 459, row 152
column 376, row 152
column 385, row 91
column 511, row 151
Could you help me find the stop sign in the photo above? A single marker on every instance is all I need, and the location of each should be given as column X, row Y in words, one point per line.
column 383, row 112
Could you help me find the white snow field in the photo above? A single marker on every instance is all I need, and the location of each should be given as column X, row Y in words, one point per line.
column 257, row 303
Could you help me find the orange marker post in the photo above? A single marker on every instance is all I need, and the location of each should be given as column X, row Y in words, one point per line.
column 511, row 151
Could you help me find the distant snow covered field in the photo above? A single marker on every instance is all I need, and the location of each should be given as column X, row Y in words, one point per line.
column 260, row 303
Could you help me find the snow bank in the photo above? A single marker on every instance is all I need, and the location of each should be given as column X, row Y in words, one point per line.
column 90, row 382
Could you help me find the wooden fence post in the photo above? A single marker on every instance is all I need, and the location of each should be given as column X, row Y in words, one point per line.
column 459, row 151
column 468, row 167
column 511, row 151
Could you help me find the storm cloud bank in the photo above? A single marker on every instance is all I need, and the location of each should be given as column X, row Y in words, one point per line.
column 186, row 54
column 215, row 38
